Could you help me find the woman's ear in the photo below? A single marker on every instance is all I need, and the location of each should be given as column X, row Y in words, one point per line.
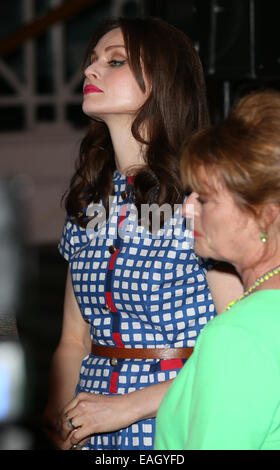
column 267, row 216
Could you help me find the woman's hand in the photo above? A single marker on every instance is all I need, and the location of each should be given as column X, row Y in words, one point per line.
column 51, row 427
column 89, row 413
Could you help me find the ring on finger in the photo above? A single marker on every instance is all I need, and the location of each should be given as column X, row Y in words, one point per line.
column 76, row 447
column 70, row 424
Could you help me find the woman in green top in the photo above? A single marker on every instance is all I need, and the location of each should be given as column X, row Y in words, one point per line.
column 227, row 396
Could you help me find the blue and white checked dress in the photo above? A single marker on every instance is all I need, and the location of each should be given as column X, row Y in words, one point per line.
column 136, row 290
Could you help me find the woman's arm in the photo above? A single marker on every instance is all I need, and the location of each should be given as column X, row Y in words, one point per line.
column 225, row 285
column 74, row 345
column 237, row 408
column 93, row 413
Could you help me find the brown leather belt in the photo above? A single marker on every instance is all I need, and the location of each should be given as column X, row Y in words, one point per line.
column 141, row 353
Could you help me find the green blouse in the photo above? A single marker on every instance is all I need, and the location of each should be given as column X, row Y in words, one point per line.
column 227, row 396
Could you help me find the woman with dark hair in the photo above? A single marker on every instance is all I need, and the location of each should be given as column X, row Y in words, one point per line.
column 227, row 396
column 174, row 107
column 140, row 287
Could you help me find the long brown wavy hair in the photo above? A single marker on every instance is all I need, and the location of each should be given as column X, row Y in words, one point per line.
column 175, row 109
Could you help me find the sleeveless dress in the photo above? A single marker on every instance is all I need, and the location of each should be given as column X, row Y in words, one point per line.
column 137, row 289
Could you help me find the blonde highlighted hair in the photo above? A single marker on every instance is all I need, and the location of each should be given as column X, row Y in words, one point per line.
column 242, row 153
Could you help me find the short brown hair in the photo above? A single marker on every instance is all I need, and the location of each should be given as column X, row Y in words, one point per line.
column 243, row 153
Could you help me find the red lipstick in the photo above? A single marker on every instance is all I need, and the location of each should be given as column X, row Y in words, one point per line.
column 197, row 234
column 91, row 89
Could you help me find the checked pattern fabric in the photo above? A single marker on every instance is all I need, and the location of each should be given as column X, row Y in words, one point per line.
column 137, row 291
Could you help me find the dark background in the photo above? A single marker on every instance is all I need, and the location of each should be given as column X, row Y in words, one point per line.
column 238, row 44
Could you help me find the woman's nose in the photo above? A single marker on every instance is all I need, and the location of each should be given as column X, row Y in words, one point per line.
column 92, row 71
column 190, row 206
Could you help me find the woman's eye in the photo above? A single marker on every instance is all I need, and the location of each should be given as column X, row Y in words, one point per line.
column 201, row 200
column 117, row 63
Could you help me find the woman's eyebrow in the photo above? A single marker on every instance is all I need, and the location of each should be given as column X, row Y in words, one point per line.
column 113, row 46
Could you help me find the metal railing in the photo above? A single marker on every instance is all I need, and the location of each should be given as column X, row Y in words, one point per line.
column 24, row 93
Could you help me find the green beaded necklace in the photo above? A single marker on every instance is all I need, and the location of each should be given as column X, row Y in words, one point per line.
column 257, row 283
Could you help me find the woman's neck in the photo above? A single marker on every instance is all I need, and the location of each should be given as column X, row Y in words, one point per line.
column 129, row 153
column 249, row 276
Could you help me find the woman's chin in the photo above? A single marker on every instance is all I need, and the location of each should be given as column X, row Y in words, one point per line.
column 200, row 249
